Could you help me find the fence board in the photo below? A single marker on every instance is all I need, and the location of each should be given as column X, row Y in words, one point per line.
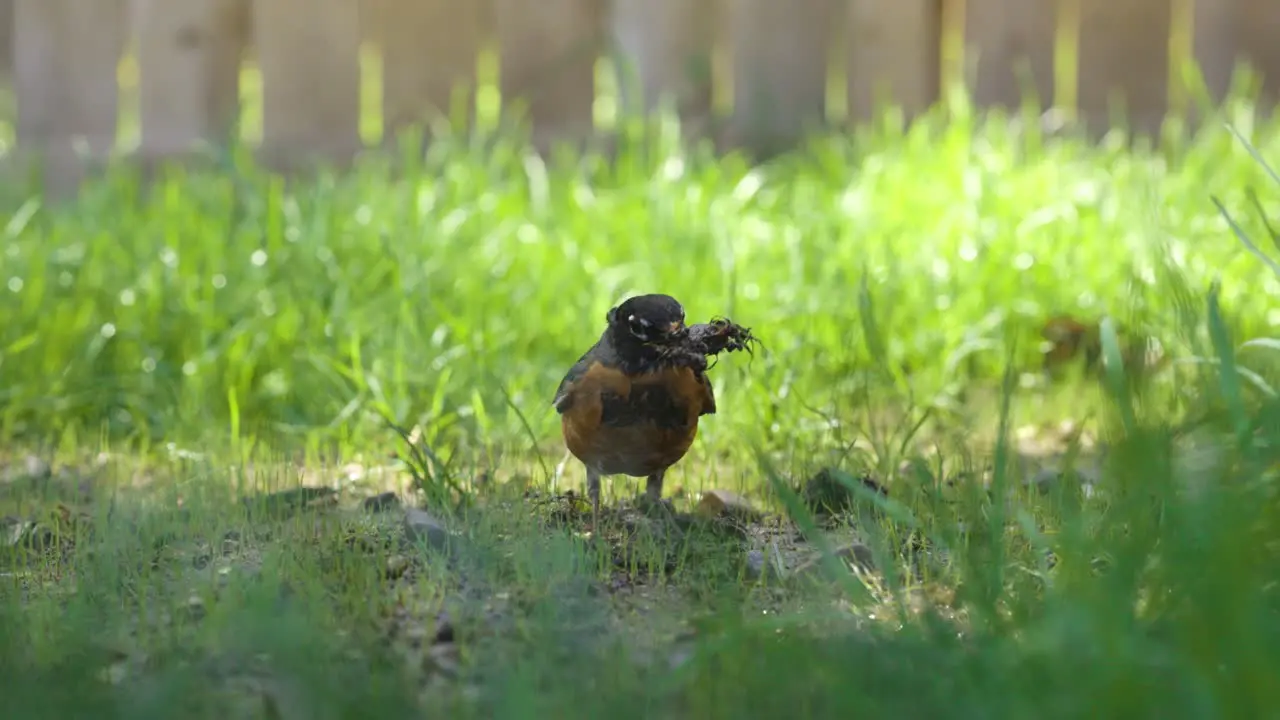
column 189, row 56
column 780, row 52
column 1214, row 43
column 1124, row 56
column 1260, row 40
column 1011, row 43
column 429, row 53
column 893, row 53
column 548, row 56
column 309, row 54
column 1227, row 31
column 665, row 51
column 66, row 55
column 6, row 38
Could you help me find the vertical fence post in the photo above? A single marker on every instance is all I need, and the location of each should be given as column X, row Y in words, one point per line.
column 309, row 54
column 1259, row 22
column 780, row 54
column 1214, row 44
column 189, row 54
column 893, row 54
column 664, row 54
column 429, row 53
column 1011, row 45
column 66, row 56
column 1124, row 62
column 549, row 51
column 6, row 38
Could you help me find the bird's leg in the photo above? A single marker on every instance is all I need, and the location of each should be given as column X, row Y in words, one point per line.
column 653, row 486
column 652, row 498
column 593, row 493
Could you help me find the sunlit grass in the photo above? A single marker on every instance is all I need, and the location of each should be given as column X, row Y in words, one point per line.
column 480, row 269
column 224, row 326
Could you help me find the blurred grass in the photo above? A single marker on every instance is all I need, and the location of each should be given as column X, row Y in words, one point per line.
column 312, row 308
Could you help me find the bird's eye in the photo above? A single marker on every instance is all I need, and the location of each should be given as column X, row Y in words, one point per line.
column 639, row 327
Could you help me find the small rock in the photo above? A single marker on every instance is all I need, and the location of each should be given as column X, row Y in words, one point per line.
column 283, row 503
column 824, row 493
column 30, row 535
column 755, row 562
column 854, row 552
column 762, row 565
column 195, row 608
column 202, row 556
column 36, row 467
column 1047, row 479
column 381, row 503
column 30, row 468
column 679, row 657
column 397, row 565
column 442, row 658
column 414, row 634
column 718, row 503
column 1044, row 479
column 914, row 468
column 444, row 628
column 858, row 554
column 619, row 582
column 421, row 527
column 116, row 673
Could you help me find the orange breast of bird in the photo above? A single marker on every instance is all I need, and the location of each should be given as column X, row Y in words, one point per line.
column 634, row 424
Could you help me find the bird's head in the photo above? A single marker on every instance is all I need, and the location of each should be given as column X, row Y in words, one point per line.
column 647, row 320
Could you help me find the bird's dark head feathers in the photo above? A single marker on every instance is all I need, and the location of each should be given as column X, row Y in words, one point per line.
column 647, row 320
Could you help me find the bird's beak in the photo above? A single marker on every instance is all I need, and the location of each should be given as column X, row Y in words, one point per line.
column 675, row 328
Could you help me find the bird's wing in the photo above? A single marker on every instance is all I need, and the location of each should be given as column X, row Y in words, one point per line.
column 708, row 394
column 564, row 393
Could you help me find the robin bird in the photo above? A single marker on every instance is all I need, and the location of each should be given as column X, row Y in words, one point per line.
column 1068, row 339
column 630, row 405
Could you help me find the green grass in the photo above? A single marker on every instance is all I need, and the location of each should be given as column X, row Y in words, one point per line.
column 173, row 347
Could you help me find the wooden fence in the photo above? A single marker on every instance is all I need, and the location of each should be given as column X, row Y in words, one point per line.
column 776, row 67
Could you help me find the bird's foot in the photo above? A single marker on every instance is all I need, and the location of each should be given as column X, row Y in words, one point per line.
column 593, row 524
column 650, row 506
